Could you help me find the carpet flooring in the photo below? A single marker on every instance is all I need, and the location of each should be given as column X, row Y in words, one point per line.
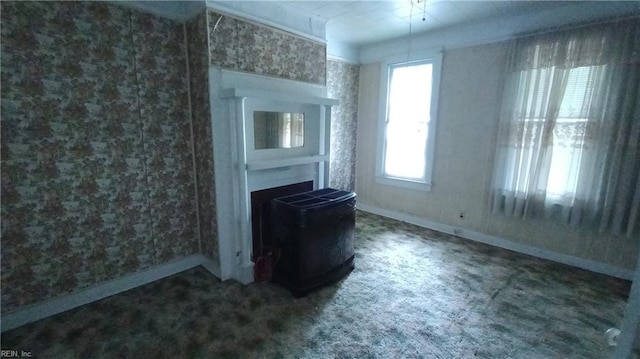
column 414, row 293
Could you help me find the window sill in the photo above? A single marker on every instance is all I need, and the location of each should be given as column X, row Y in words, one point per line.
column 404, row 183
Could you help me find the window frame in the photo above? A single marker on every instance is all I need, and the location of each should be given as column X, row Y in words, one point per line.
column 422, row 57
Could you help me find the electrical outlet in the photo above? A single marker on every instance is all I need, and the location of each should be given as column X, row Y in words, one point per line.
column 462, row 214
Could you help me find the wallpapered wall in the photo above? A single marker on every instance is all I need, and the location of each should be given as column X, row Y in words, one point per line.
column 244, row 46
column 97, row 177
column 97, row 163
column 342, row 84
column 202, row 136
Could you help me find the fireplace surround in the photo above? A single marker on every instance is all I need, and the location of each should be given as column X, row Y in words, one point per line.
column 242, row 168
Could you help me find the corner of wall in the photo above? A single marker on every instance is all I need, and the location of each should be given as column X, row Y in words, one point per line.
column 197, row 34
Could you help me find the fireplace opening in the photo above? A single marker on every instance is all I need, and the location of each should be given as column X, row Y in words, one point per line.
column 261, row 219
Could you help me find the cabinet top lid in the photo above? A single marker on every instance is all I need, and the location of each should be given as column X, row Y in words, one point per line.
column 315, row 198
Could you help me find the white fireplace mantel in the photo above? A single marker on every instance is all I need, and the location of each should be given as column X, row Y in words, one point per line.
column 241, row 169
column 301, row 98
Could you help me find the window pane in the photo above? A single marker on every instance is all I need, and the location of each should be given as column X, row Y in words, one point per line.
column 569, row 131
column 579, row 91
column 408, row 116
column 405, row 151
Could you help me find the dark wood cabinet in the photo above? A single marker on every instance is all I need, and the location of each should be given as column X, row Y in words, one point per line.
column 314, row 236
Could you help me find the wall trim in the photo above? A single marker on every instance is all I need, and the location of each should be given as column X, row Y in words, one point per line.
column 211, row 266
column 582, row 263
column 275, row 17
column 497, row 29
column 179, row 11
column 341, row 51
column 106, row 289
column 49, row 307
column 336, row 58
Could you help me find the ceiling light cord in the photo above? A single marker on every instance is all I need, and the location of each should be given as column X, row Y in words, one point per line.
column 424, row 18
column 424, row 10
column 410, row 30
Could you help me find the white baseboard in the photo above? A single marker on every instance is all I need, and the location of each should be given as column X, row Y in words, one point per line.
column 574, row 261
column 211, row 266
column 54, row 306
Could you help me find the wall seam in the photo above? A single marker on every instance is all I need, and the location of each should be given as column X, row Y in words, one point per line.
column 193, row 139
column 140, row 121
column 215, row 253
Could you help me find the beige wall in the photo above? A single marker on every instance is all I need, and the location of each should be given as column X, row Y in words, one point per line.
column 465, row 143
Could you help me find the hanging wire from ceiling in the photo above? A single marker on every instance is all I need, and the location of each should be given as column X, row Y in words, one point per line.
column 424, row 8
column 424, row 18
column 410, row 30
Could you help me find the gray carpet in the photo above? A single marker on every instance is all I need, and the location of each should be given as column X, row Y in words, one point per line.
column 414, row 293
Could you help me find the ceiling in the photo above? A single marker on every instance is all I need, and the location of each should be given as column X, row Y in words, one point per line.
column 366, row 22
column 352, row 25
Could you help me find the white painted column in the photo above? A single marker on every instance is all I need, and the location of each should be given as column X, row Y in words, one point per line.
column 630, row 327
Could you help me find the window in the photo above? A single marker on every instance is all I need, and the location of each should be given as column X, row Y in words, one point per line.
column 567, row 145
column 407, row 126
column 569, row 130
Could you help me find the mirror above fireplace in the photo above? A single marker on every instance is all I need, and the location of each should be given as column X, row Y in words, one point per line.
column 277, row 129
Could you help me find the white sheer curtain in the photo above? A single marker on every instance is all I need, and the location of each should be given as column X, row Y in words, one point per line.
column 568, row 141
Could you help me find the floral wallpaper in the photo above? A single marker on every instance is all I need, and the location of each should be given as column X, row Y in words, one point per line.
column 166, row 130
column 244, row 46
column 342, row 84
column 97, row 157
column 201, row 117
column 96, row 162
